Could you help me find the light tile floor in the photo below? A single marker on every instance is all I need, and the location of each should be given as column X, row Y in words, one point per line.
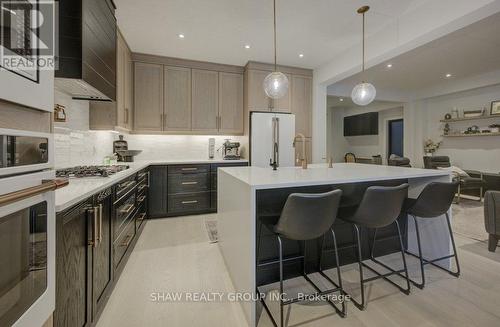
column 174, row 255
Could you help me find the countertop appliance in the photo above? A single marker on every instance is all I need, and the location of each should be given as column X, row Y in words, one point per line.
column 90, row 171
column 27, row 226
column 271, row 139
column 120, row 147
column 231, row 150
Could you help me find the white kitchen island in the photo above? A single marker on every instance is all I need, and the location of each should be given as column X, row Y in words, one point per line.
column 241, row 189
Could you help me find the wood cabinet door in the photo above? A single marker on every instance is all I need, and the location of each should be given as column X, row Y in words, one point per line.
column 177, row 97
column 301, row 91
column 120, row 80
column 129, row 89
column 157, row 192
column 148, row 100
column 205, row 100
column 101, row 258
column 257, row 98
column 73, row 276
column 230, row 103
column 284, row 104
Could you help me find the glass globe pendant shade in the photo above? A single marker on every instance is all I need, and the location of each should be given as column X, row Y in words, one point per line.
column 276, row 85
column 363, row 94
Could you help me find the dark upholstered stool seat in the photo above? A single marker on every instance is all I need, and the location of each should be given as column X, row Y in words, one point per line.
column 304, row 217
column 433, row 202
column 380, row 207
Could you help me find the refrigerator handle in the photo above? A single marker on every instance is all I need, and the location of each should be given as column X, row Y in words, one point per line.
column 274, row 162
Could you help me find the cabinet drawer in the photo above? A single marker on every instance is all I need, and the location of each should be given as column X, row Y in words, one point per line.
column 186, row 203
column 124, row 213
column 188, row 169
column 140, row 216
column 188, row 183
column 123, row 241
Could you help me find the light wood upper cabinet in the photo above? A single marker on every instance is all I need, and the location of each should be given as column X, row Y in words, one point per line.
column 205, row 100
column 177, row 98
column 301, row 92
column 129, row 90
column 257, row 100
column 116, row 115
column 284, row 104
column 148, row 97
column 230, row 103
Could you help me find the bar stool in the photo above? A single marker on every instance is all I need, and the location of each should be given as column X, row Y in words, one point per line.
column 380, row 207
column 433, row 202
column 306, row 217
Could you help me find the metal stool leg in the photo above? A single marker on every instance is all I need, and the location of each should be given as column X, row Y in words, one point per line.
column 425, row 261
column 407, row 291
column 392, row 270
column 420, row 256
column 360, row 305
column 281, row 281
column 456, row 274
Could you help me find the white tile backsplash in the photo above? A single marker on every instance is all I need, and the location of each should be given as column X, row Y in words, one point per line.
column 76, row 145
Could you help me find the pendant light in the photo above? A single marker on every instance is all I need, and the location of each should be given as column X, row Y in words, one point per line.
column 363, row 93
column 276, row 83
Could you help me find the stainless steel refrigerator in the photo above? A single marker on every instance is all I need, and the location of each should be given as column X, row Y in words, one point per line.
column 271, row 139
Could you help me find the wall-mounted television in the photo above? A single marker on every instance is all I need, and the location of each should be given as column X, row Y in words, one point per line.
column 363, row 124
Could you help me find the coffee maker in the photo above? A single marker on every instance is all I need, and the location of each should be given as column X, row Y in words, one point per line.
column 231, row 150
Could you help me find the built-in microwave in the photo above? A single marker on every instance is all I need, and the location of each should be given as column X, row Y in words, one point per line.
column 24, row 151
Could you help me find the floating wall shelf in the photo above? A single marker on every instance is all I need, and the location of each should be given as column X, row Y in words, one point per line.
column 453, row 120
column 471, row 135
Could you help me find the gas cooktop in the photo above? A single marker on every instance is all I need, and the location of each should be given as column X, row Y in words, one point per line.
column 90, row 171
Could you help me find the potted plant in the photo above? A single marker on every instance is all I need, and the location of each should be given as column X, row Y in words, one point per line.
column 430, row 147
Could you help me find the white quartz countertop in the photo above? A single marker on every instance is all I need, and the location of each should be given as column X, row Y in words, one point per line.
column 320, row 174
column 80, row 189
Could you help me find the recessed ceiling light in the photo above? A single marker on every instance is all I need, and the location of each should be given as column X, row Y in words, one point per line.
column 247, row 46
column 301, row 55
column 448, row 75
column 341, row 99
column 389, row 65
column 181, row 36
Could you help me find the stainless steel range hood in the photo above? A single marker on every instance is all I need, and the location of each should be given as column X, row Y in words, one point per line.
column 87, row 49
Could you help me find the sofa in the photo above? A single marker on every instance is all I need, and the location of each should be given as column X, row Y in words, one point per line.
column 492, row 218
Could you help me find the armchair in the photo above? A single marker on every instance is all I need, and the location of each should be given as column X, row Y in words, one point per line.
column 492, row 218
column 473, row 180
column 398, row 161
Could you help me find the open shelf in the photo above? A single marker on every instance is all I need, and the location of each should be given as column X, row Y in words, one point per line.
column 453, row 120
column 471, row 135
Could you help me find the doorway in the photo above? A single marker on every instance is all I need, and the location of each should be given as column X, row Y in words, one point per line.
column 396, row 134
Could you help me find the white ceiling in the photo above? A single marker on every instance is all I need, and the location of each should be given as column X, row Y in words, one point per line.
column 217, row 30
column 471, row 51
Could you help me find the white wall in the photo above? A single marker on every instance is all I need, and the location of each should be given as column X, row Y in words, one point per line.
column 425, row 21
column 361, row 146
column 76, row 145
column 479, row 153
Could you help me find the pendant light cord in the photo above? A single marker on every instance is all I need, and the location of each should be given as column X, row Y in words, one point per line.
column 363, row 42
column 275, row 56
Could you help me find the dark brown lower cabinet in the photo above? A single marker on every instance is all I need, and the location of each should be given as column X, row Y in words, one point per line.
column 73, row 255
column 88, row 257
column 102, row 272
